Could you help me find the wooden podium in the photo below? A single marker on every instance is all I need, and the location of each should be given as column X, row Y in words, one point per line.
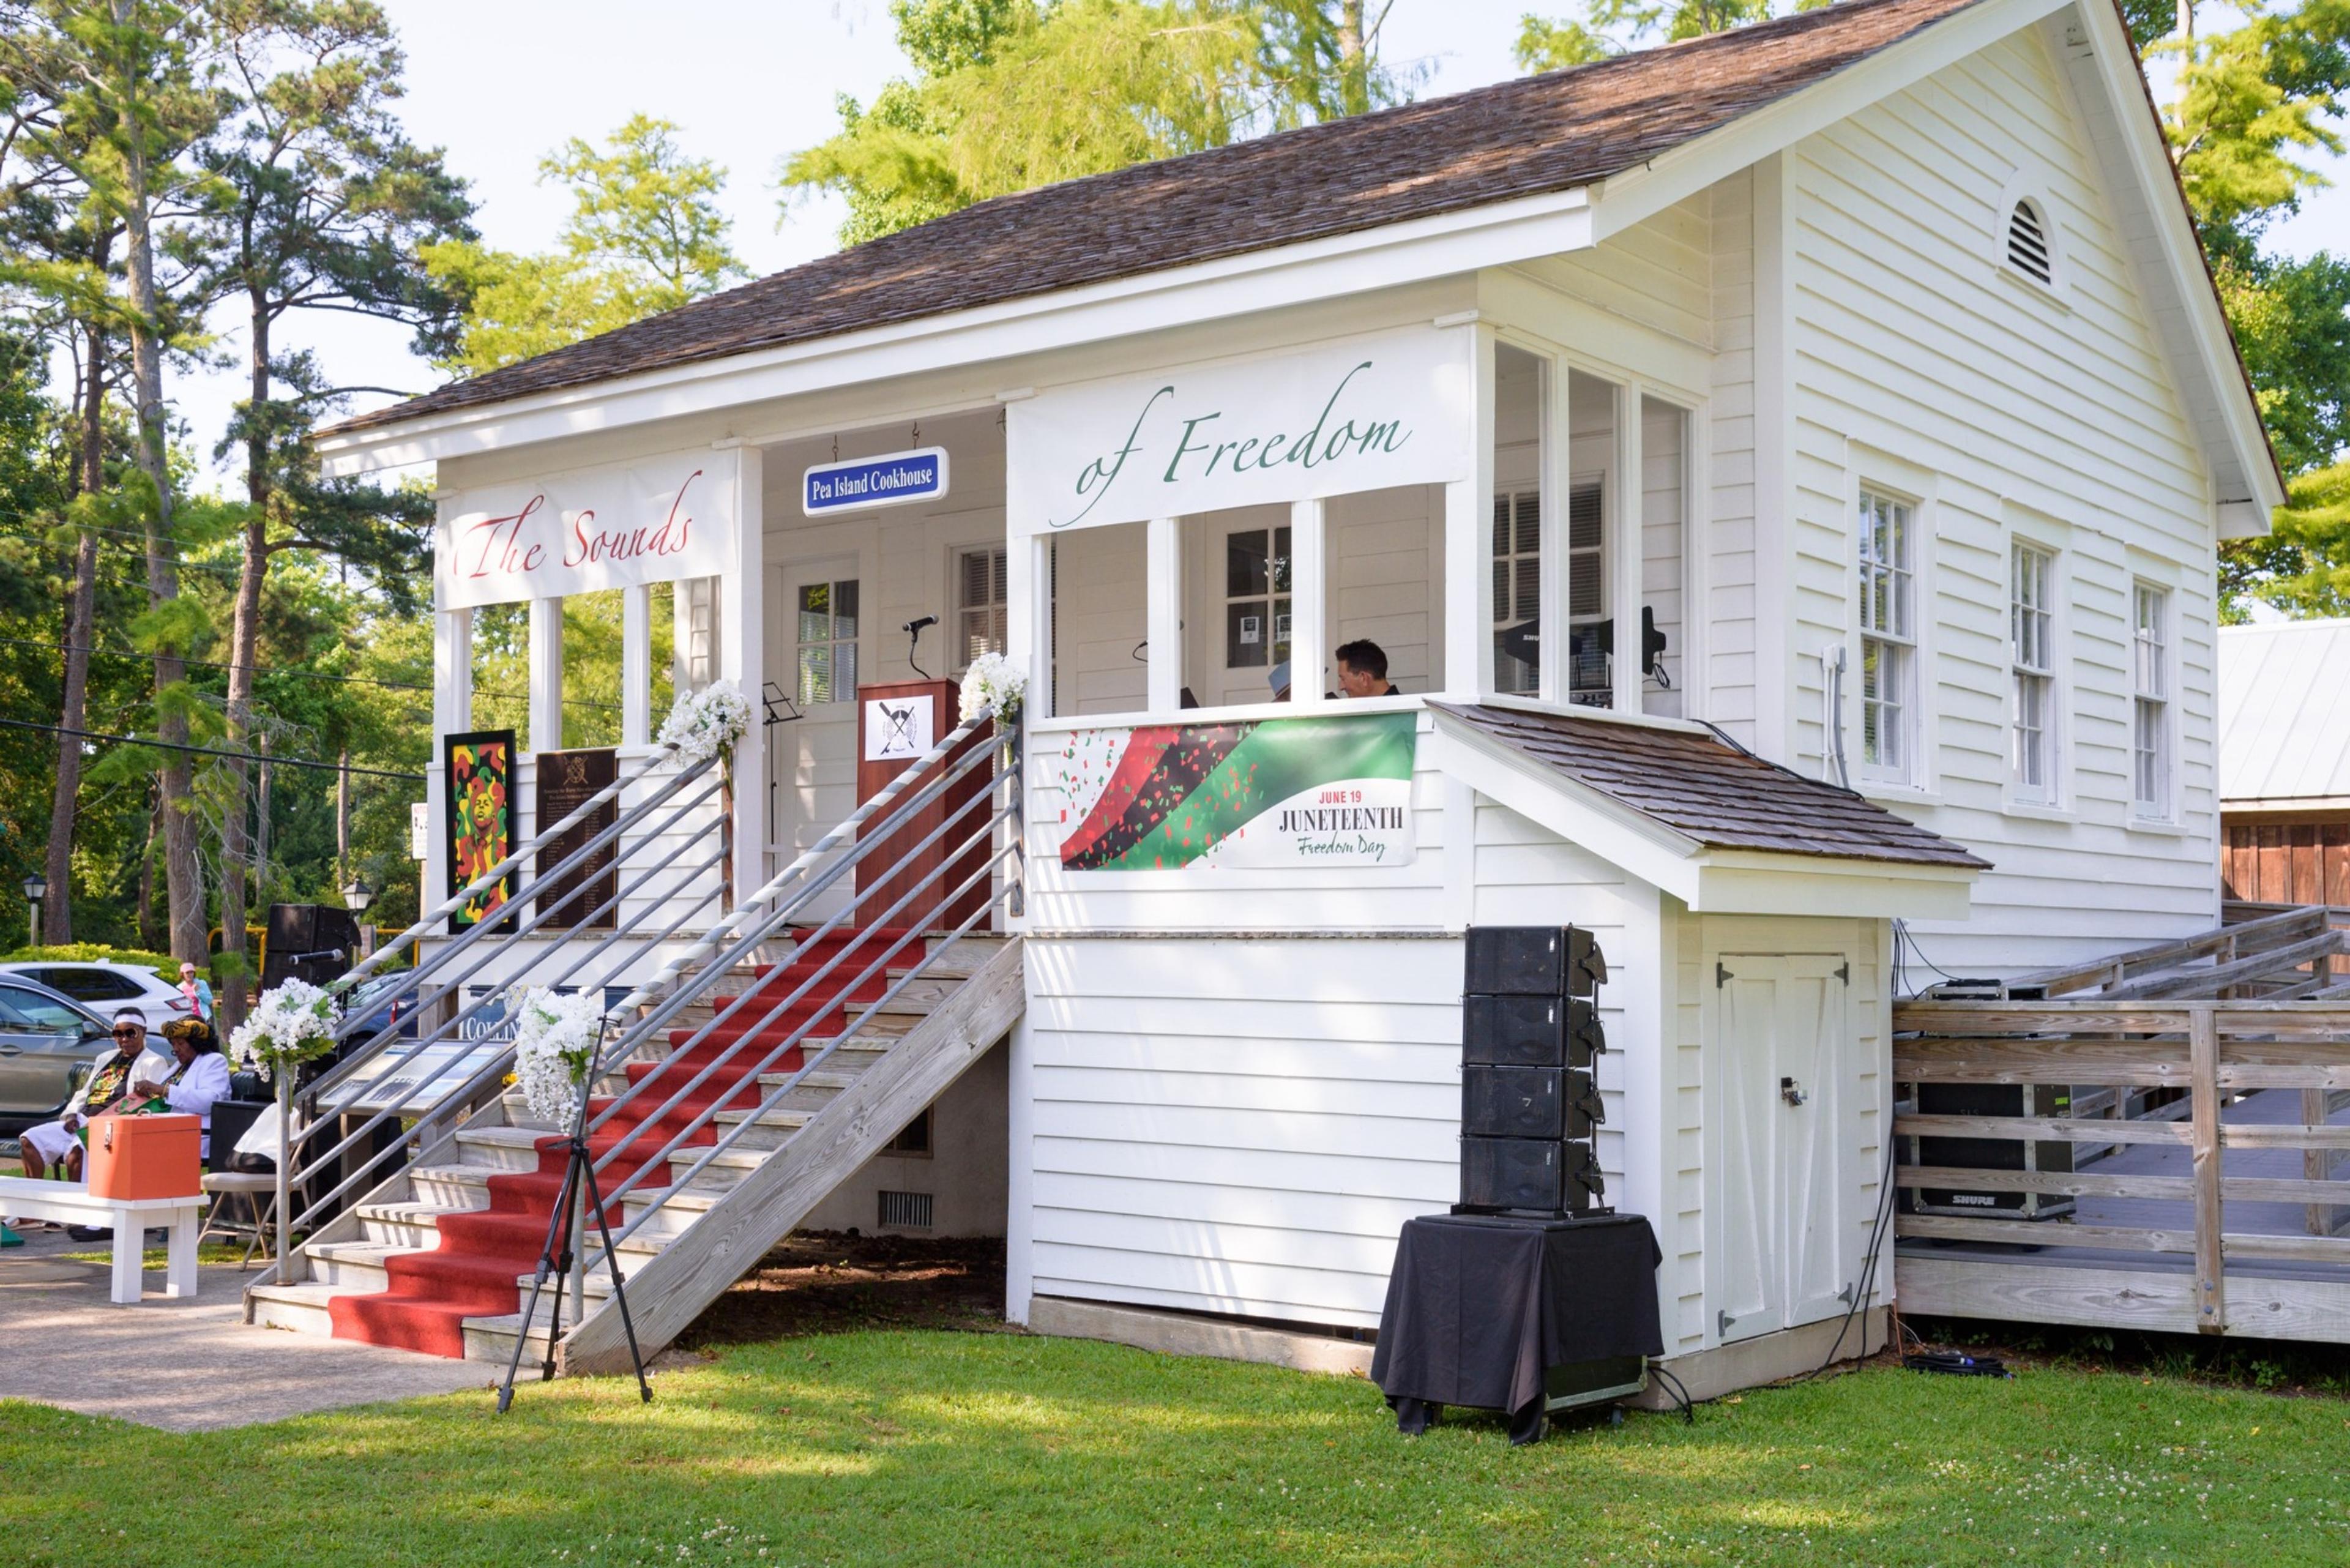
column 896, row 723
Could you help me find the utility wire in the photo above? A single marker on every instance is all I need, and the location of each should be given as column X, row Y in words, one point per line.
column 272, row 759
column 299, row 674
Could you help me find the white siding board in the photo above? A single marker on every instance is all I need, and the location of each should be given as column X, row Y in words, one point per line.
column 1907, row 340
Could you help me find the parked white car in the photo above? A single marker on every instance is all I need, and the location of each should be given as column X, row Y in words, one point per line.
column 108, row 988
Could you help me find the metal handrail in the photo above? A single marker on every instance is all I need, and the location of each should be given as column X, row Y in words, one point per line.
column 426, row 921
column 667, row 807
column 542, row 912
column 480, row 929
column 775, row 1053
column 769, row 1102
column 495, row 1069
column 630, row 1038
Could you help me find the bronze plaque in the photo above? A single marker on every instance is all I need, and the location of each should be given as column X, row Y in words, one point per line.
column 565, row 780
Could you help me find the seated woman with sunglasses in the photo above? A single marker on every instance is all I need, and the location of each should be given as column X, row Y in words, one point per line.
column 108, row 1083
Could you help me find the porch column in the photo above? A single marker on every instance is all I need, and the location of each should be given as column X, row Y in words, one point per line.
column 1309, row 633
column 636, row 664
column 453, row 672
column 1468, row 534
column 1627, row 552
column 1163, row 613
column 1028, row 618
column 546, row 675
column 1556, row 674
column 742, row 659
column 453, row 714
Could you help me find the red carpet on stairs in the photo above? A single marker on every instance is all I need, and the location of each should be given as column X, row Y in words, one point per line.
column 471, row 1273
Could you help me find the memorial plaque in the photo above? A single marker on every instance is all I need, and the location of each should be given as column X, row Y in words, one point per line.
column 565, row 780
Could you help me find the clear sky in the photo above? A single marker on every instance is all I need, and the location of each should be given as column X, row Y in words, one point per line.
column 498, row 83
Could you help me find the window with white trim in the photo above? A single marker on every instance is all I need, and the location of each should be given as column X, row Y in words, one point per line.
column 2032, row 631
column 981, row 597
column 825, row 642
column 2151, row 689
column 1588, row 680
column 1888, row 637
column 1517, row 589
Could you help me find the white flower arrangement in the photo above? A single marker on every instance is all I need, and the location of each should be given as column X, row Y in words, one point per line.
column 292, row 1022
column 555, row 1044
column 705, row 722
column 992, row 682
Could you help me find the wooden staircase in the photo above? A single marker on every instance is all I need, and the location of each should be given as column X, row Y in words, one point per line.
column 386, row 1270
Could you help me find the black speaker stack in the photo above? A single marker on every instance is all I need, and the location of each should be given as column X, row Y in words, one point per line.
column 1530, row 1044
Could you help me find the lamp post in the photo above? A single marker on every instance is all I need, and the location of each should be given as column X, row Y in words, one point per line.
column 37, row 887
column 356, row 896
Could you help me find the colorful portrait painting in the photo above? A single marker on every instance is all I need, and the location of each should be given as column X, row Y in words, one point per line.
column 479, row 768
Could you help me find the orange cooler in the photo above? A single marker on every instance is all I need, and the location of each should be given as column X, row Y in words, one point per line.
column 145, row 1157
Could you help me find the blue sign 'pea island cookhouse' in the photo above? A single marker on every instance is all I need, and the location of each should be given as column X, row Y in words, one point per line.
column 899, row 479
column 1734, row 338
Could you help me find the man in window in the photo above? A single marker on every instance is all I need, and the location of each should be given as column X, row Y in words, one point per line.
column 1363, row 670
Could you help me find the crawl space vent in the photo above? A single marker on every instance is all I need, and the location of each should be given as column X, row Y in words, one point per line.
column 906, row 1210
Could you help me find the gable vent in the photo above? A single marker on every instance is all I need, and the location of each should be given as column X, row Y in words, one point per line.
column 2027, row 243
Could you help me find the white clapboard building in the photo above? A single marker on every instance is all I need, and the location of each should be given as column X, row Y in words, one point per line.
column 1782, row 470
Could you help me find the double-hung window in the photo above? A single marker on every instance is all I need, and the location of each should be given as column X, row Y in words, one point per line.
column 1517, row 589
column 1888, row 637
column 2031, row 632
column 981, row 597
column 2151, row 687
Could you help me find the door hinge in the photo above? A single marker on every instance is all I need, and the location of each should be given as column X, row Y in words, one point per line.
column 1721, row 975
column 1844, row 972
column 1721, row 1322
column 1844, row 1295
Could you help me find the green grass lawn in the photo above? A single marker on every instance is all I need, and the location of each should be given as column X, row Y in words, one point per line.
column 917, row 1449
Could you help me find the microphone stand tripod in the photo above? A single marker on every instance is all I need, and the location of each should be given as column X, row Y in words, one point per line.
column 578, row 1171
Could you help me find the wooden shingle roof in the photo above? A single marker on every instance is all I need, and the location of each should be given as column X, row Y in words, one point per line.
column 1534, row 136
column 1709, row 791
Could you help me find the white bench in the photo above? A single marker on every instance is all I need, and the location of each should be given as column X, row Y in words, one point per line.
column 23, row 1197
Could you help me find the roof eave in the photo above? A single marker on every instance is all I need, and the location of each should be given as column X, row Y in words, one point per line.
column 1359, row 262
column 1706, row 878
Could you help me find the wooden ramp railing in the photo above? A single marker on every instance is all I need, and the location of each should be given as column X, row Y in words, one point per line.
column 2260, row 950
column 2168, row 1231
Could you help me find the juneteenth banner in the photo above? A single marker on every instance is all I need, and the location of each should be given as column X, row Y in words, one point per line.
column 1278, row 793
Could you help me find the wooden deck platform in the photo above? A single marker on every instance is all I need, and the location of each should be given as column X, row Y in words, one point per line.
column 2218, row 1212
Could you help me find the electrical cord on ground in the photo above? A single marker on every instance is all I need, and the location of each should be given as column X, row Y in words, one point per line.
column 1679, row 1390
column 1867, row 1282
column 1956, row 1364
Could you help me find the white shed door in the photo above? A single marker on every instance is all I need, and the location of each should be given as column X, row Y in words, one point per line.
column 1784, row 1100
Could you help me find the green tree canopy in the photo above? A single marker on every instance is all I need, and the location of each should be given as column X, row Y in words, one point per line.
column 646, row 235
column 1012, row 94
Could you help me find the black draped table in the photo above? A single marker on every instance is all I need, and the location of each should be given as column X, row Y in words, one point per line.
column 1480, row 1307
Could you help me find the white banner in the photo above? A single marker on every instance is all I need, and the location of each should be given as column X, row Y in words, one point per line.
column 1364, row 414
column 654, row 521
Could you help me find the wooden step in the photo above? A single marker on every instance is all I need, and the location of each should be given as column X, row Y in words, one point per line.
column 724, row 1170
column 501, row 1148
column 451, row 1186
column 301, row 1308
column 355, row 1266
column 409, row 1224
column 770, row 1130
column 678, row 1208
